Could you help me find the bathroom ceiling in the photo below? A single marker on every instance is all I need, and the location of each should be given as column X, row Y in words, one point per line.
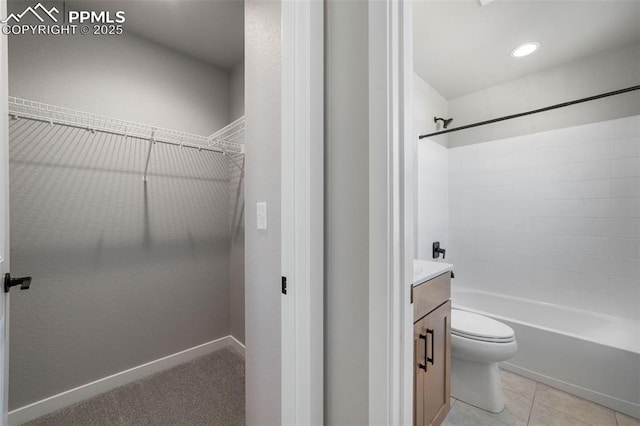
column 209, row 30
column 461, row 47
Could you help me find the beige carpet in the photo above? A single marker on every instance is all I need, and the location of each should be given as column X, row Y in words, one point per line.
column 206, row 391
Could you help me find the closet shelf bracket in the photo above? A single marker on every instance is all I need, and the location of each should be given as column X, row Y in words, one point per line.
column 146, row 165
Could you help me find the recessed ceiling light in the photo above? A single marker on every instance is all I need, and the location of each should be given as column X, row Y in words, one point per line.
column 525, row 49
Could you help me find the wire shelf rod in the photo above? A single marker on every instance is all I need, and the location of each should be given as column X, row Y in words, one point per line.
column 224, row 141
column 230, row 138
column 64, row 116
column 239, row 123
column 115, row 132
column 232, row 135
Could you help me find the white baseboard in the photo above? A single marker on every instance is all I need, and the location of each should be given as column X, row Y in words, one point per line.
column 626, row 407
column 237, row 345
column 61, row 400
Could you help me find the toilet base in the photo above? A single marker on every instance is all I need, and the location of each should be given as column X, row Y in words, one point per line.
column 477, row 383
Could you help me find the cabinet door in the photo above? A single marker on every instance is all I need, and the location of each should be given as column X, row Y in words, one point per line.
column 436, row 327
column 419, row 370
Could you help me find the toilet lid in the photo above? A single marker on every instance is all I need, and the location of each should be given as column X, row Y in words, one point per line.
column 479, row 327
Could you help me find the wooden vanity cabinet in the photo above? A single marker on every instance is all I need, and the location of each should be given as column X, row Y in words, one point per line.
column 432, row 351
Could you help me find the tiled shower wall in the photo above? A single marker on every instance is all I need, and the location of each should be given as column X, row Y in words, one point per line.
column 552, row 216
column 433, row 200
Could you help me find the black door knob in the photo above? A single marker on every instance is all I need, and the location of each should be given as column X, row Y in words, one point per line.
column 24, row 282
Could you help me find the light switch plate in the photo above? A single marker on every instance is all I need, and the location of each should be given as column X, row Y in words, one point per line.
column 261, row 210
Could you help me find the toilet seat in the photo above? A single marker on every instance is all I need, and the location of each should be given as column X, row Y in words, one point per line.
column 469, row 325
column 483, row 339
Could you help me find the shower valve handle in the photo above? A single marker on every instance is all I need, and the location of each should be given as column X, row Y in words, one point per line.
column 437, row 251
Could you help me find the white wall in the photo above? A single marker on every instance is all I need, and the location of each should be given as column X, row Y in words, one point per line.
column 552, row 216
column 610, row 70
column 346, row 315
column 432, row 163
column 263, row 248
column 123, row 273
column 429, row 103
column 433, row 198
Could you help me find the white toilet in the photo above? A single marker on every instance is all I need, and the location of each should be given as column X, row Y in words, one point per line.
column 478, row 344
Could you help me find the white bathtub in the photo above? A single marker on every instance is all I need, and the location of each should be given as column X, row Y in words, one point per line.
column 596, row 357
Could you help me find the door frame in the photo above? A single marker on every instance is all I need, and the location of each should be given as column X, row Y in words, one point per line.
column 4, row 220
column 302, row 212
column 392, row 147
column 391, row 208
column 302, row 209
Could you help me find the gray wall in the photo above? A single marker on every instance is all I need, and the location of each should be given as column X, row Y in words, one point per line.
column 124, row 76
column 611, row 70
column 262, row 255
column 236, row 188
column 122, row 274
column 236, row 101
column 236, row 256
column 347, row 211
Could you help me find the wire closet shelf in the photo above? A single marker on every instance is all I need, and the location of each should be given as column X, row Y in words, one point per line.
column 231, row 135
column 229, row 139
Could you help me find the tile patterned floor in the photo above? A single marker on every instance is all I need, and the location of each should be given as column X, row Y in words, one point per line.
column 530, row 403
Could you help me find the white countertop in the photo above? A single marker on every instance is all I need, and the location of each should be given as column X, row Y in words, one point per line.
column 424, row 270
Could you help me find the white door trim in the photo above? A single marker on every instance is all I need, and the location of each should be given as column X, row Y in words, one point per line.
column 391, row 211
column 302, row 211
column 4, row 222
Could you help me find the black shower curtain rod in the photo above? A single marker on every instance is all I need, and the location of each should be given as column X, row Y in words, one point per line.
column 534, row 111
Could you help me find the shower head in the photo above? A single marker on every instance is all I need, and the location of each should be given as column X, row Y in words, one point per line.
column 445, row 121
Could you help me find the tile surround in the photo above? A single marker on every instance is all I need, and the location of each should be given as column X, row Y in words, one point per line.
column 561, row 206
